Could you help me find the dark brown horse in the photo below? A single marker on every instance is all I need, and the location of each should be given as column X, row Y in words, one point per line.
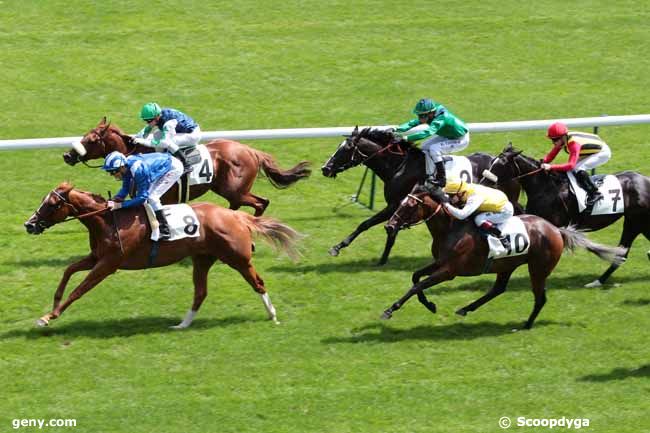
column 236, row 166
column 460, row 250
column 120, row 240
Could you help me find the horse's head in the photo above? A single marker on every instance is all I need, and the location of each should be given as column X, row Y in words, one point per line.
column 354, row 150
column 55, row 208
column 510, row 164
column 420, row 204
column 97, row 143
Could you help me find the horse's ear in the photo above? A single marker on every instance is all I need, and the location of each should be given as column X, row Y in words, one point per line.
column 355, row 131
column 103, row 121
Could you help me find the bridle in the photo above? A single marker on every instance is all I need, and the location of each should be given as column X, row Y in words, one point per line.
column 419, row 202
column 101, row 141
column 65, row 202
column 353, row 162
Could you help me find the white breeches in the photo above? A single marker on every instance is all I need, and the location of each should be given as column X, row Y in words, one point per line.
column 173, row 141
column 593, row 161
column 163, row 183
column 495, row 218
column 437, row 146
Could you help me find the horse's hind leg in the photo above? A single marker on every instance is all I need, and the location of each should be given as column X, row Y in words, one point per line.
column 252, row 277
column 202, row 266
column 248, row 199
column 631, row 229
column 539, row 290
column 498, row 288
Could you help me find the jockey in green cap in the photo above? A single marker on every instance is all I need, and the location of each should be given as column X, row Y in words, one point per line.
column 175, row 130
column 444, row 133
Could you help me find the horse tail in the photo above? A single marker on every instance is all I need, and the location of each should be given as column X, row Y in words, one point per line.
column 279, row 235
column 575, row 239
column 281, row 178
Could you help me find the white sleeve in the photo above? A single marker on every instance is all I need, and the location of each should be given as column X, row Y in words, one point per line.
column 473, row 203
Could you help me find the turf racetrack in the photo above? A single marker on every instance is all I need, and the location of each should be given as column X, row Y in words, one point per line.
column 110, row 361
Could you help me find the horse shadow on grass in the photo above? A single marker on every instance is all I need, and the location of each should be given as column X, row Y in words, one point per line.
column 123, row 327
column 618, row 374
column 455, row 331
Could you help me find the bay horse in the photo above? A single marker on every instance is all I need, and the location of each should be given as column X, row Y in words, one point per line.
column 459, row 249
column 236, row 166
column 549, row 196
column 120, row 240
column 400, row 166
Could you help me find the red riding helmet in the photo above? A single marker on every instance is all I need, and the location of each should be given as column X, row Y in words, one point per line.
column 558, row 129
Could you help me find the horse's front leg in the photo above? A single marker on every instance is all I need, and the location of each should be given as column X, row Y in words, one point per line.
column 101, row 270
column 379, row 217
column 442, row 273
column 82, row 265
column 390, row 241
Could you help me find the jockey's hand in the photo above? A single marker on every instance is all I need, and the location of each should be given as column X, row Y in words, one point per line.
column 546, row 167
column 141, row 141
column 397, row 137
column 113, row 205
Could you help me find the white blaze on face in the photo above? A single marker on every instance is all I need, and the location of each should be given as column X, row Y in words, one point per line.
column 79, row 148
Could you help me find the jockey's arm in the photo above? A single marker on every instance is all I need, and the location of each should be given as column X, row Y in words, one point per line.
column 144, row 132
column 574, row 154
column 407, row 125
column 167, row 139
column 471, row 205
column 142, row 186
column 552, row 154
column 426, row 133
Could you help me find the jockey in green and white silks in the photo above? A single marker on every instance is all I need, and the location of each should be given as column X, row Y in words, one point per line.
column 443, row 133
column 175, row 130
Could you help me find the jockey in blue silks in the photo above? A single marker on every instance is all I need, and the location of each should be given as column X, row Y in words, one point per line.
column 153, row 173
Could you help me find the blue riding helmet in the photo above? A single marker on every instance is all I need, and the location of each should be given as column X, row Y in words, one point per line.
column 114, row 161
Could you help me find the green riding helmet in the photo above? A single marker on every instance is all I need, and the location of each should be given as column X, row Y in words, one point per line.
column 424, row 106
column 149, row 111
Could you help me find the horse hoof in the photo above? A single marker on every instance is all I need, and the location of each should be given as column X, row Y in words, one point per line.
column 334, row 251
column 179, row 326
column 275, row 321
column 461, row 312
column 648, row 255
column 595, row 283
column 387, row 315
column 42, row 323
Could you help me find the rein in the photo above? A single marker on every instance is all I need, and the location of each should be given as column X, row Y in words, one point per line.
column 421, row 202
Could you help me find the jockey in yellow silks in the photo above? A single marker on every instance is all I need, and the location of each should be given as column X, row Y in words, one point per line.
column 492, row 204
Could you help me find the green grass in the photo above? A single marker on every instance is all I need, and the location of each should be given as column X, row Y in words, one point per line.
column 112, row 363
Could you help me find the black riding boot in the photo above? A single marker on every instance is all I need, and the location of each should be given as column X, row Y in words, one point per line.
column 187, row 168
column 593, row 195
column 165, row 234
column 441, row 175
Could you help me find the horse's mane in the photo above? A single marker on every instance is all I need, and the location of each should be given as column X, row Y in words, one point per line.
column 384, row 137
column 66, row 187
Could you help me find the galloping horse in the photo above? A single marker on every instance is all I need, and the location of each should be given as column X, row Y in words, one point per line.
column 120, row 240
column 400, row 166
column 549, row 197
column 460, row 250
column 235, row 166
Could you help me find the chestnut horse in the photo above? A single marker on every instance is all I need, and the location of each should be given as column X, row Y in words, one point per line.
column 120, row 240
column 235, row 166
column 461, row 250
